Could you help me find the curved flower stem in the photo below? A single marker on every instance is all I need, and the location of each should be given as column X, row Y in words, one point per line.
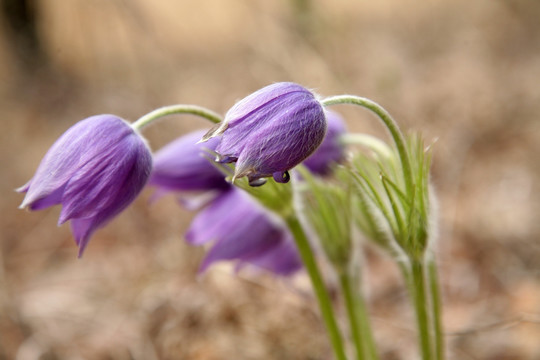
column 176, row 109
column 325, row 304
column 390, row 124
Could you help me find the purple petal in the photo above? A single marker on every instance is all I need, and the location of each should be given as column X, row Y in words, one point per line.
column 259, row 99
column 288, row 142
column 82, row 230
column 206, row 226
column 24, row 188
column 52, row 199
column 281, row 260
column 107, row 183
column 183, row 165
column 242, row 230
column 331, row 150
column 246, row 241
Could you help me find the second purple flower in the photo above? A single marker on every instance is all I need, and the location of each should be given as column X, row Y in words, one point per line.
column 270, row 131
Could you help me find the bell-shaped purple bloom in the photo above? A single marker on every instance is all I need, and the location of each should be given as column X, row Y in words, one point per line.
column 95, row 170
column 271, row 131
column 331, row 150
column 183, row 165
column 243, row 230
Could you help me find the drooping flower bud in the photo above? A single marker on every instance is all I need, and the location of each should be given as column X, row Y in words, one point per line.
column 243, row 230
column 95, row 170
column 270, row 131
column 183, row 165
column 331, row 151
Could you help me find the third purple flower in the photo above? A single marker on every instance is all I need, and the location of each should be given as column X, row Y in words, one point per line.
column 243, row 230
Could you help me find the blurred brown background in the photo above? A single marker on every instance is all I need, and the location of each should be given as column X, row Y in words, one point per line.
column 464, row 72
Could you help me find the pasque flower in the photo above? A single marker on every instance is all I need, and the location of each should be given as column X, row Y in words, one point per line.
column 183, row 165
column 270, row 131
column 94, row 170
column 241, row 229
column 331, row 150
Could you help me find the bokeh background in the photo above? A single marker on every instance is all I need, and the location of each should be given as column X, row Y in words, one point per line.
column 464, row 73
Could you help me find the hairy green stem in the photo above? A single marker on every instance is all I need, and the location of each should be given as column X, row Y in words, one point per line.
column 358, row 319
column 176, row 109
column 390, row 124
column 421, row 306
column 353, row 316
column 436, row 309
column 365, row 324
column 325, row 304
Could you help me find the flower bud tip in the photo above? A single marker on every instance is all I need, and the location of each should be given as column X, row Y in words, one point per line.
column 216, row 130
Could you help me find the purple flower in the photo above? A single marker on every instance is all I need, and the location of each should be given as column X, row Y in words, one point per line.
column 331, row 150
column 270, row 131
column 95, row 170
column 243, row 230
column 183, row 165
